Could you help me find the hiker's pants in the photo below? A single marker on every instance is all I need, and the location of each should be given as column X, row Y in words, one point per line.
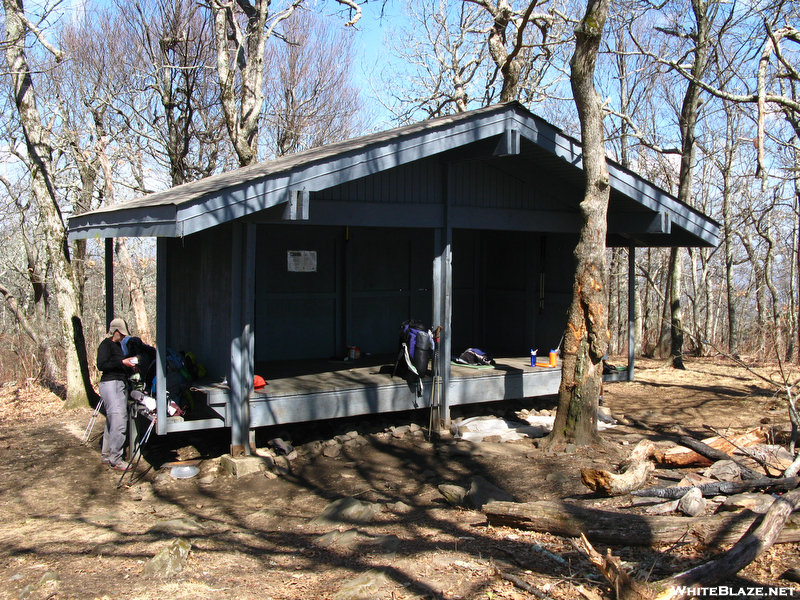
column 115, row 401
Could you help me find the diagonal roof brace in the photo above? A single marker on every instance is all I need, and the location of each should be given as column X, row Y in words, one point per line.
column 509, row 142
column 297, row 205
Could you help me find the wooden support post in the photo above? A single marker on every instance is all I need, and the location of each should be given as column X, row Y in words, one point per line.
column 109, row 281
column 631, row 309
column 162, row 303
column 242, row 338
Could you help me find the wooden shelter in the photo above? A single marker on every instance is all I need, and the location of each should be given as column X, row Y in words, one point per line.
column 282, row 268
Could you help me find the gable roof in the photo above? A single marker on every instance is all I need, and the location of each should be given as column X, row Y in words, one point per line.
column 240, row 193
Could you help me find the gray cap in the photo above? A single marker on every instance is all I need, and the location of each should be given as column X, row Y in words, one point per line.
column 118, row 324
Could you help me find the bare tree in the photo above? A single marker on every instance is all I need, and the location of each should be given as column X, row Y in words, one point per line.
column 509, row 47
column 443, row 61
column 309, row 94
column 241, row 31
column 43, row 188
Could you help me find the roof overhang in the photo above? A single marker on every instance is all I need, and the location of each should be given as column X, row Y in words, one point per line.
column 642, row 214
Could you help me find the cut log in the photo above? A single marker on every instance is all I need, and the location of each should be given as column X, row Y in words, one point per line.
column 634, row 474
column 784, row 484
column 568, row 520
column 715, row 454
column 613, row 484
column 682, row 457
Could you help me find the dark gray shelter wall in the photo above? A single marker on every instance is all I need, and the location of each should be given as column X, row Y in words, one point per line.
column 498, row 280
column 199, row 297
column 367, row 281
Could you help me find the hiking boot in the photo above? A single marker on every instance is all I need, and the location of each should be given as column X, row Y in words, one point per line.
column 122, row 466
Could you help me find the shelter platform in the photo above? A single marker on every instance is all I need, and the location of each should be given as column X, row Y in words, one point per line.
column 310, row 390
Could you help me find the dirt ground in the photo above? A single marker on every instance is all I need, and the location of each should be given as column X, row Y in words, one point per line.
column 67, row 531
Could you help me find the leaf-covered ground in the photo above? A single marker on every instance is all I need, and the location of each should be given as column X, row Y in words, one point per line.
column 67, row 531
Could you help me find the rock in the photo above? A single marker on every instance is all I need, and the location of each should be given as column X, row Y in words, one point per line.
column 662, row 508
column 400, row 432
column 332, row 451
column 365, row 586
column 178, row 527
column 188, row 453
column 241, row 466
column 570, row 449
column 312, row 449
column 482, row 492
column 282, row 466
column 401, row 508
column 387, row 544
column 169, row 561
column 757, row 503
column 454, row 494
column 604, row 414
column 345, row 511
column 724, row 470
column 343, row 539
column 413, row 428
column 428, row 474
column 692, row 503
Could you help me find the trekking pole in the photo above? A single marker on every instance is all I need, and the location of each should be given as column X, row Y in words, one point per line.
column 435, row 388
column 90, row 426
column 137, row 455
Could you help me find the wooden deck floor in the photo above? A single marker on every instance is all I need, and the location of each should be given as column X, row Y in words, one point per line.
column 310, row 390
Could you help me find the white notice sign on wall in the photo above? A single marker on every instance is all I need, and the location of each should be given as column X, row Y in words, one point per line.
column 302, row 261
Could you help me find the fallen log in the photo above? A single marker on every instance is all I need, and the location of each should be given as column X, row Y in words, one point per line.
column 610, row 566
column 608, row 527
column 752, row 545
column 717, row 488
column 634, row 475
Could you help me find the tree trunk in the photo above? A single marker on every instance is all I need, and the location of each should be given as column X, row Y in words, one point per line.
column 78, row 386
column 676, row 312
column 586, row 335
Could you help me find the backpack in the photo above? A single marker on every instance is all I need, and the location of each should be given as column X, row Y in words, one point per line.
column 416, row 346
column 474, row 356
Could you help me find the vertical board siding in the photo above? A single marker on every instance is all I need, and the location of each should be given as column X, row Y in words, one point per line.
column 418, row 182
column 200, row 297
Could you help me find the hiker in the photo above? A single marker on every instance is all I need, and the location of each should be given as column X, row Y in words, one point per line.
column 114, row 393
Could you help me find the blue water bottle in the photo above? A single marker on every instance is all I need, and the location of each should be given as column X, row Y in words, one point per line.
column 533, row 358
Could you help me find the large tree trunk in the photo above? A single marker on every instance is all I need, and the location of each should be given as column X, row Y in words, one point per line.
column 586, row 335
column 40, row 151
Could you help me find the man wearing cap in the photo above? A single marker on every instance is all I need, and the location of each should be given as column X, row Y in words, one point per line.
column 114, row 392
